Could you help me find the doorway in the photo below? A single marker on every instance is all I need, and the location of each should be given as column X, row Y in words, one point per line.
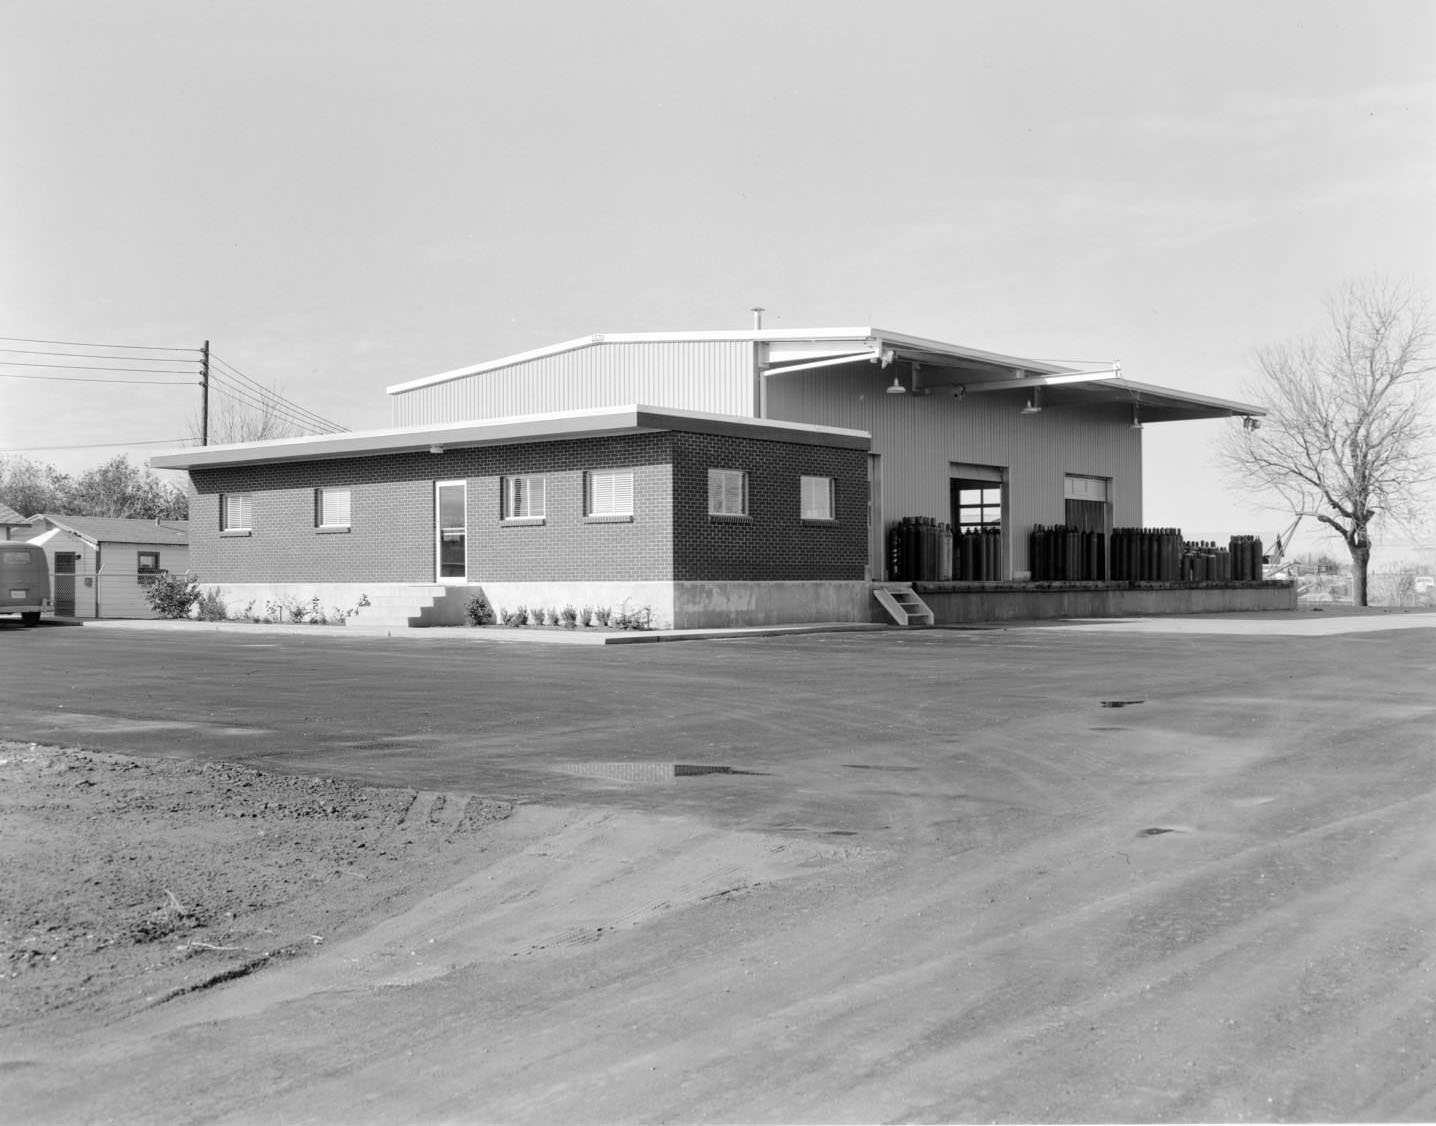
column 979, row 519
column 451, row 531
column 65, row 583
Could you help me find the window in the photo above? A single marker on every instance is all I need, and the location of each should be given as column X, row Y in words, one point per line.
column 979, row 506
column 332, row 508
column 610, row 492
column 234, row 512
column 817, row 498
column 147, row 567
column 523, row 498
column 727, row 492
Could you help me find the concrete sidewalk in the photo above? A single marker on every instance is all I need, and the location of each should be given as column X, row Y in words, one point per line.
column 495, row 634
column 1298, row 623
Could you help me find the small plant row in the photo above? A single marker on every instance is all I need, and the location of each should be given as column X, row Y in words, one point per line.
column 181, row 596
column 478, row 612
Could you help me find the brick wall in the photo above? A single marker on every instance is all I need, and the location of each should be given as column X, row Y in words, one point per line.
column 391, row 536
column 671, row 535
column 772, row 543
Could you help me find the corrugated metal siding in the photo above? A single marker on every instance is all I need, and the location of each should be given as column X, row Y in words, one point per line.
column 711, row 376
column 919, row 436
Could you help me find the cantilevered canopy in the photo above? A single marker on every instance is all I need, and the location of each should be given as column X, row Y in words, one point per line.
column 930, row 367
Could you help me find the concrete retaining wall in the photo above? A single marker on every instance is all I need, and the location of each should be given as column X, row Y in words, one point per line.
column 713, row 605
column 954, row 603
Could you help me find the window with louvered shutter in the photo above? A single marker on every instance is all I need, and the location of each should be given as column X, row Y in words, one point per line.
column 817, row 502
column 333, row 508
column 727, row 492
column 234, row 512
column 610, row 493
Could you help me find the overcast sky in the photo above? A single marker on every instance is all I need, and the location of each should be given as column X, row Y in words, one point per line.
column 346, row 194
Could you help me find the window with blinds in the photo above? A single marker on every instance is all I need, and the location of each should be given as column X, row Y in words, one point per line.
column 727, row 492
column 333, row 508
column 523, row 498
column 234, row 512
column 817, row 502
column 610, row 492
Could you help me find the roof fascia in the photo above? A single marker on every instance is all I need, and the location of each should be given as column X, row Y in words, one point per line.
column 1221, row 407
column 59, row 525
column 635, row 418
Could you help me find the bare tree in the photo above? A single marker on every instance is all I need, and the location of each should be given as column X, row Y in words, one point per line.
column 1347, row 439
column 260, row 415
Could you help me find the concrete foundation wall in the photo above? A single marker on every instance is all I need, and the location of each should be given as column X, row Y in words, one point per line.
column 953, row 603
column 711, row 605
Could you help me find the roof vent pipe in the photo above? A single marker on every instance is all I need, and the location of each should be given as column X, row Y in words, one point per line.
column 757, row 312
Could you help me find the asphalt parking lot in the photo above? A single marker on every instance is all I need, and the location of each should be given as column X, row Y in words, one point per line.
column 1072, row 874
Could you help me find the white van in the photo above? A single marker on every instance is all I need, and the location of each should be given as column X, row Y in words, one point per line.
column 24, row 581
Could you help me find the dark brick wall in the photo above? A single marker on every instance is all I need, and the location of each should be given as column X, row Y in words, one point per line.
column 773, row 543
column 392, row 529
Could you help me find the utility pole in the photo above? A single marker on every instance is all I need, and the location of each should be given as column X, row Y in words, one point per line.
column 204, row 394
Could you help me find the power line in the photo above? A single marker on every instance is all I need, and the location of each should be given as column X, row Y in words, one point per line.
column 275, row 407
column 235, row 373
column 87, row 344
column 97, row 446
column 273, row 400
column 87, row 367
column 95, row 379
column 92, row 356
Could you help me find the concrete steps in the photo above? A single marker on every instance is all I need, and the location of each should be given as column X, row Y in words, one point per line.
column 422, row 604
column 903, row 604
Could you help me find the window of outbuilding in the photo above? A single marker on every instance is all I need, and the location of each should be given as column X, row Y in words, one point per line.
column 333, row 507
column 727, row 492
column 147, row 567
column 235, row 512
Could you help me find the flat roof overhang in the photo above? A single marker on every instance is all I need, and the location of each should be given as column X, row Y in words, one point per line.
column 635, row 419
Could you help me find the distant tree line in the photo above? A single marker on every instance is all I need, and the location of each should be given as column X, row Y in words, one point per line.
column 116, row 488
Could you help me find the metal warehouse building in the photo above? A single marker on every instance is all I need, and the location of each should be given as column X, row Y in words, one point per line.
column 715, row 478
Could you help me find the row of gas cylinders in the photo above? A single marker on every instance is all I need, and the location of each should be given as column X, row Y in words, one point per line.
column 1063, row 553
column 1161, row 555
column 921, row 549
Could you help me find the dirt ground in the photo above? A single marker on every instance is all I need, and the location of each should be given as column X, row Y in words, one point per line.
column 130, row 882
column 1103, row 872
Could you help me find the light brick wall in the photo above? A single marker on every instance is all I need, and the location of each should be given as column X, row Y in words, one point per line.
column 391, row 536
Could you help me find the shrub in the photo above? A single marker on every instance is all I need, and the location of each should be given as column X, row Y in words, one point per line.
column 210, row 607
column 604, row 616
column 585, row 616
column 639, row 619
column 568, row 617
column 478, row 612
column 172, row 596
column 551, row 617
